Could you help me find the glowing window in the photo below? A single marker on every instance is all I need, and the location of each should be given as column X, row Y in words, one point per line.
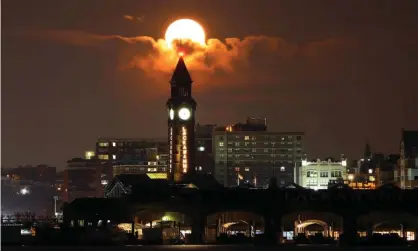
column 103, row 156
column 247, row 137
column 282, row 169
column 221, row 143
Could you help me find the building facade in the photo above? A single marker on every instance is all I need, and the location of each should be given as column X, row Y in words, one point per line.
column 82, row 178
column 117, row 149
column 248, row 153
column 404, row 175
column 155, row 169
column 204, row 151
column 181, row 109
column 320, row 174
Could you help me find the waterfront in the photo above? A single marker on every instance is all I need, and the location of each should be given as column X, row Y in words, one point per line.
column 204, row 248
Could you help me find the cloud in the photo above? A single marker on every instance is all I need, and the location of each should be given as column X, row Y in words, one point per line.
column 253, row 58
column 133, row 18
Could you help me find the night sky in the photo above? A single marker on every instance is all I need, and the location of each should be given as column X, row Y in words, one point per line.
column 342, row 71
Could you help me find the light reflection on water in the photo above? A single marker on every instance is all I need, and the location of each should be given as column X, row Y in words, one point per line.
column 204, row 248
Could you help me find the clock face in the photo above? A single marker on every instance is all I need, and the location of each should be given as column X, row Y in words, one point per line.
column 184, row 113
column 171, row 114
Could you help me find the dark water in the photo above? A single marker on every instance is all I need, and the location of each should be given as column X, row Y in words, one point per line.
column 203, row 248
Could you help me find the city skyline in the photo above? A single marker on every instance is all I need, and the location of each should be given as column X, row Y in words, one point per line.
column 335, row 80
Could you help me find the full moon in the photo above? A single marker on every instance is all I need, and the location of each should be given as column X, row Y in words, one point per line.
column 185, row 29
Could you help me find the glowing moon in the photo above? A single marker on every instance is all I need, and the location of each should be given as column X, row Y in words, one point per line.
column 185, row 29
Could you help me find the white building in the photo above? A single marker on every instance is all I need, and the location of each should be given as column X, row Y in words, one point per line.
column 318, row 174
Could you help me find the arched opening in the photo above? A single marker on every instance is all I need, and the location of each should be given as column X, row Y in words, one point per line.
column 160, row 227
column 311, row 227
column 378, row 223
column 233, row 226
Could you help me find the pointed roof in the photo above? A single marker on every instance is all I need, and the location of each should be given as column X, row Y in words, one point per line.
column 181, row 74
column 367, row 151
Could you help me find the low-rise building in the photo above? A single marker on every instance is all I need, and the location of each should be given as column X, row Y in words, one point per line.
column 320, row 173
column 82, row 178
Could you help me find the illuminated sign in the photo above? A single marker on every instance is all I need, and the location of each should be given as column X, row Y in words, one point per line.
column 170, row 157
column 184, row 149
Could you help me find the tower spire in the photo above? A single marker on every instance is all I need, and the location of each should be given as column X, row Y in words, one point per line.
column 181, row 74
column 367, row 151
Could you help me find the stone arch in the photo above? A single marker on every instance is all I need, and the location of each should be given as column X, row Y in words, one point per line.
column 369, row 222
column 307, row 223
column 378, row 224
column 233, row 221
column 304, row 226
column 299, row 222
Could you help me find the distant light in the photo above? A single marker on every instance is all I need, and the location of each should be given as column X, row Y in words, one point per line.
column 370, row 171
column 201, row 148
column 104, row 182
column 165, row 218
column 181, row 54
column 114, row 156
column 113, row 144
column 89, row 154
column 350, row 177
column 24, row 191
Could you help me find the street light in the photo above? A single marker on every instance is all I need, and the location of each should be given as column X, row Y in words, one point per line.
column 24, row 191
column 55, row 205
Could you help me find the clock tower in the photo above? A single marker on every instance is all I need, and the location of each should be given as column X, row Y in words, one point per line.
column 181, row 109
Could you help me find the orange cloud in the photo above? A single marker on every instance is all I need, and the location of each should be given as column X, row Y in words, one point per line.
column 219, row 58
column 132, row 18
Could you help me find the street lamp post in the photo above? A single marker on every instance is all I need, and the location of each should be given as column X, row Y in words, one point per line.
column 55, row 206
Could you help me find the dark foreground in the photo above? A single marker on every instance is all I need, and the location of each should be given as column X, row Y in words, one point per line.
column 202, row 248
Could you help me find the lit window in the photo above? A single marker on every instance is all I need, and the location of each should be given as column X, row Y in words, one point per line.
column 282, row 169
column 103, row 156
column 312, row 174
column 247, row 137
column 336, row 174
column 221, row 143
column 237, row 169
column 266, row 150
column 201, row 148
column 114, row 156
column 370, row 171
column 247, row 169
column 103, row 144
column 113, row 144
